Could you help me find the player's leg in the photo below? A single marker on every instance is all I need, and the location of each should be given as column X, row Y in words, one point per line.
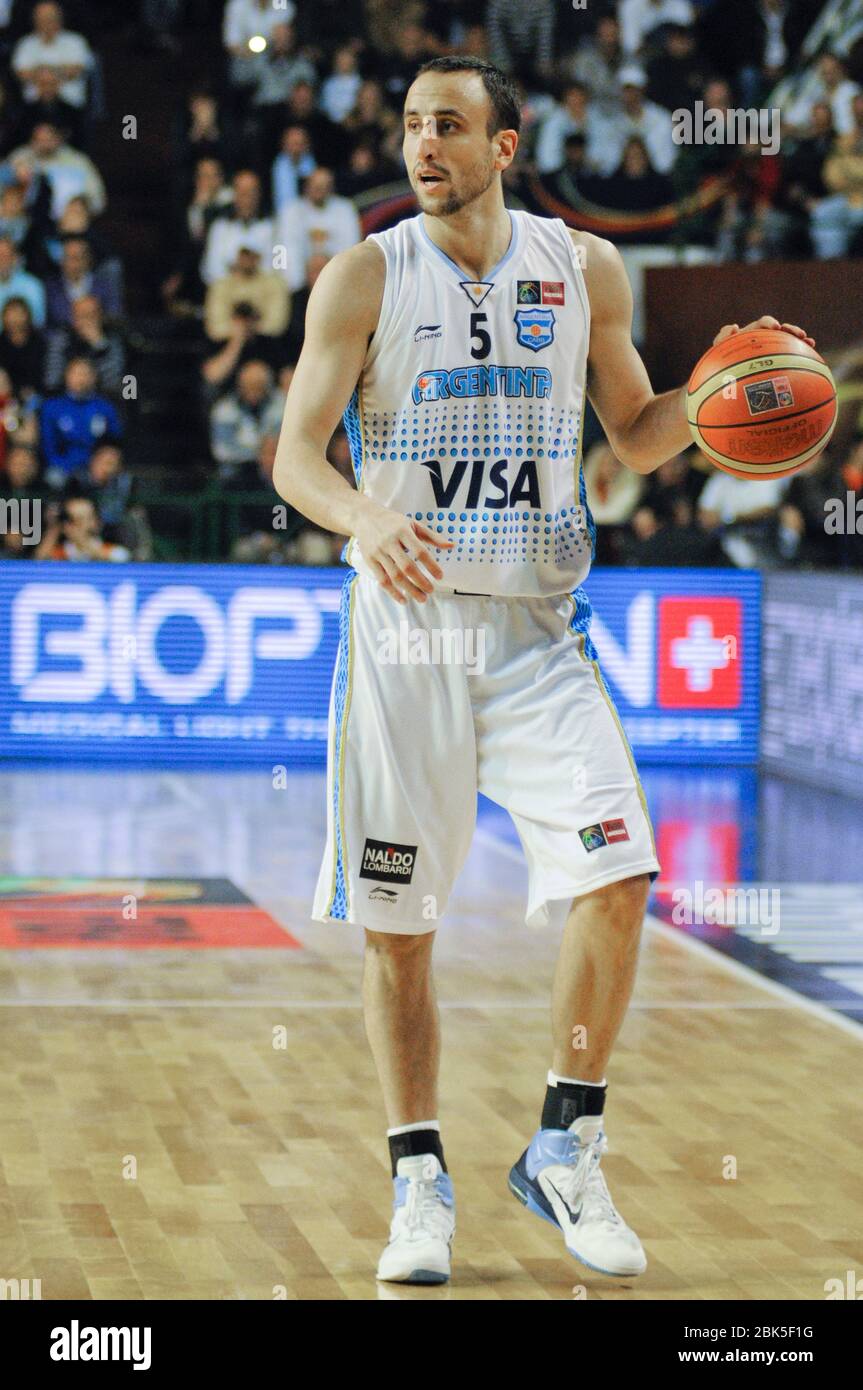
column 595, row 975
column 400, row 821
column 402, row 1023
column 574, row 794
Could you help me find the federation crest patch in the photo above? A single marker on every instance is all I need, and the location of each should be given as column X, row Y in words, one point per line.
column 534, row 327
column 592, row 837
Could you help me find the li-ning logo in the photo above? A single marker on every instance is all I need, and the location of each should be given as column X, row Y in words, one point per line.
column 388, row 862
column 76, row 1343
column 383, row 895
column 425, row 331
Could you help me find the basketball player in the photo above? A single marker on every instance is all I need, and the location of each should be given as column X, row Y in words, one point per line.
column 460, row 345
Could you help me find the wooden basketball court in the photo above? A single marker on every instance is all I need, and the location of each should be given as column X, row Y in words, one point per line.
column 203, row 1122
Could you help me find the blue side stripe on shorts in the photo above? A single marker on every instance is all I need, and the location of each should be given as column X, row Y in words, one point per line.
column 339, row 907
column 580, row 621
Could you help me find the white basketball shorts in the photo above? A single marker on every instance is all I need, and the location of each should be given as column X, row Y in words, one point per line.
column 434, row 701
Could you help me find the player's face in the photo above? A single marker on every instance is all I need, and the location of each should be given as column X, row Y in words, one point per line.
column 450, row 158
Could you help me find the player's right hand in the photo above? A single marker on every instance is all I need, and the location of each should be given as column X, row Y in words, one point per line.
column 395, row 546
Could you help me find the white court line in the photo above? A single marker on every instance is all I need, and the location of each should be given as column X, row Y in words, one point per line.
column 731, row 967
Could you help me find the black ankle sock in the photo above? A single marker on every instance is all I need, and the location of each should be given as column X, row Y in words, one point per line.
column 414, row 1143
column 568, row 1101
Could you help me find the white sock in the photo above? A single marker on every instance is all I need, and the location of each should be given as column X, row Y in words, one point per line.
column 407, row 1129
column 555, row 1080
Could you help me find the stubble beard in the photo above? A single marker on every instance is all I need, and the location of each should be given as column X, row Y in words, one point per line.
column 476, row 182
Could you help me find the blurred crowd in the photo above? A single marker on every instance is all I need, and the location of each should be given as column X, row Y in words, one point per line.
column 270, row 161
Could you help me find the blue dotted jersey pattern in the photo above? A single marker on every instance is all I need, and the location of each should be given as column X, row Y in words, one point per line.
column 339, row 908
column 499, row 476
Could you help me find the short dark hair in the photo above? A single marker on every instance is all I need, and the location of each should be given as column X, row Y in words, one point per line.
column 502, row 91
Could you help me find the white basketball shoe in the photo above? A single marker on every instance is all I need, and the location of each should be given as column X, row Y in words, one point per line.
column 558, row 1178
column 423, row 1224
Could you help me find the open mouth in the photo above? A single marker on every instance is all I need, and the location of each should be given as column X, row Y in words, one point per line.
column 430, row 180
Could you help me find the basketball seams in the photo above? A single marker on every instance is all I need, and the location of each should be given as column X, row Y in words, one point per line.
column 740, row 372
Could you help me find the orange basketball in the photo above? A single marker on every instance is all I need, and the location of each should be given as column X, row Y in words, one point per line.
column 762, row 404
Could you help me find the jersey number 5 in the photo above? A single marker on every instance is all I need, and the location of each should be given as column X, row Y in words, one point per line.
column 477, row 331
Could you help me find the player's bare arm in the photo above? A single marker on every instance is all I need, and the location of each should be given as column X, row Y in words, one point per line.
column 642, row 428
column 342, row 315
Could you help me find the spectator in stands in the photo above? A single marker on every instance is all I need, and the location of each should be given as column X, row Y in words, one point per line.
column 636, row 116
column 11, row 115
column 663, row 532
column 109, row 485
column 22, row 349
column 69, row 172
column 836, row 218
column 596, row 62
column 320, row 222
column 572, row 182
column 52, row 46
column 17, row 283
column 49, row 108
column 203, row 131
column 755, row 40
column 367, row 167
column 279, row 68
column 330, row 142
column 297, row 326
column 77, row 535
column 371, row 118
column 742, row 514
column 72, row 423
column 676, row 75
column 20, row 483
column 248, row 284
column 184, row 289
column 674, row 478
column 14, row 221
column 78, row 277
column 574, row 115
column 246, row 21
column 635, row 187
column 87, row 337
column 340, row 89
column 20, row 479
column 613, row 493
column 260, row 540
column 521, row 38
column 244, row 343
column 211, row 198
column 245, row 225
column 640, row 18
column 241, row 419
column 755, row 227
column 291, row 165
column 832, row 85
column 804, row 166
column 396, row 70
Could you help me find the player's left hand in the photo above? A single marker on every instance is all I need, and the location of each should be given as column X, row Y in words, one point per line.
column 764, row 322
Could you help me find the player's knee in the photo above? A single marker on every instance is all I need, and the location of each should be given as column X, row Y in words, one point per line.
column 399, row 949
column 623, row 903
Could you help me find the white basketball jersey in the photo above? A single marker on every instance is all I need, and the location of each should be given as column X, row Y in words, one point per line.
column 469, row 410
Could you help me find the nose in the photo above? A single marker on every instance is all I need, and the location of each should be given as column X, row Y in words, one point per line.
column 428, row 140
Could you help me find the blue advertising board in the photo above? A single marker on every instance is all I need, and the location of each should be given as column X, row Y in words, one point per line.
column 231, row 664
